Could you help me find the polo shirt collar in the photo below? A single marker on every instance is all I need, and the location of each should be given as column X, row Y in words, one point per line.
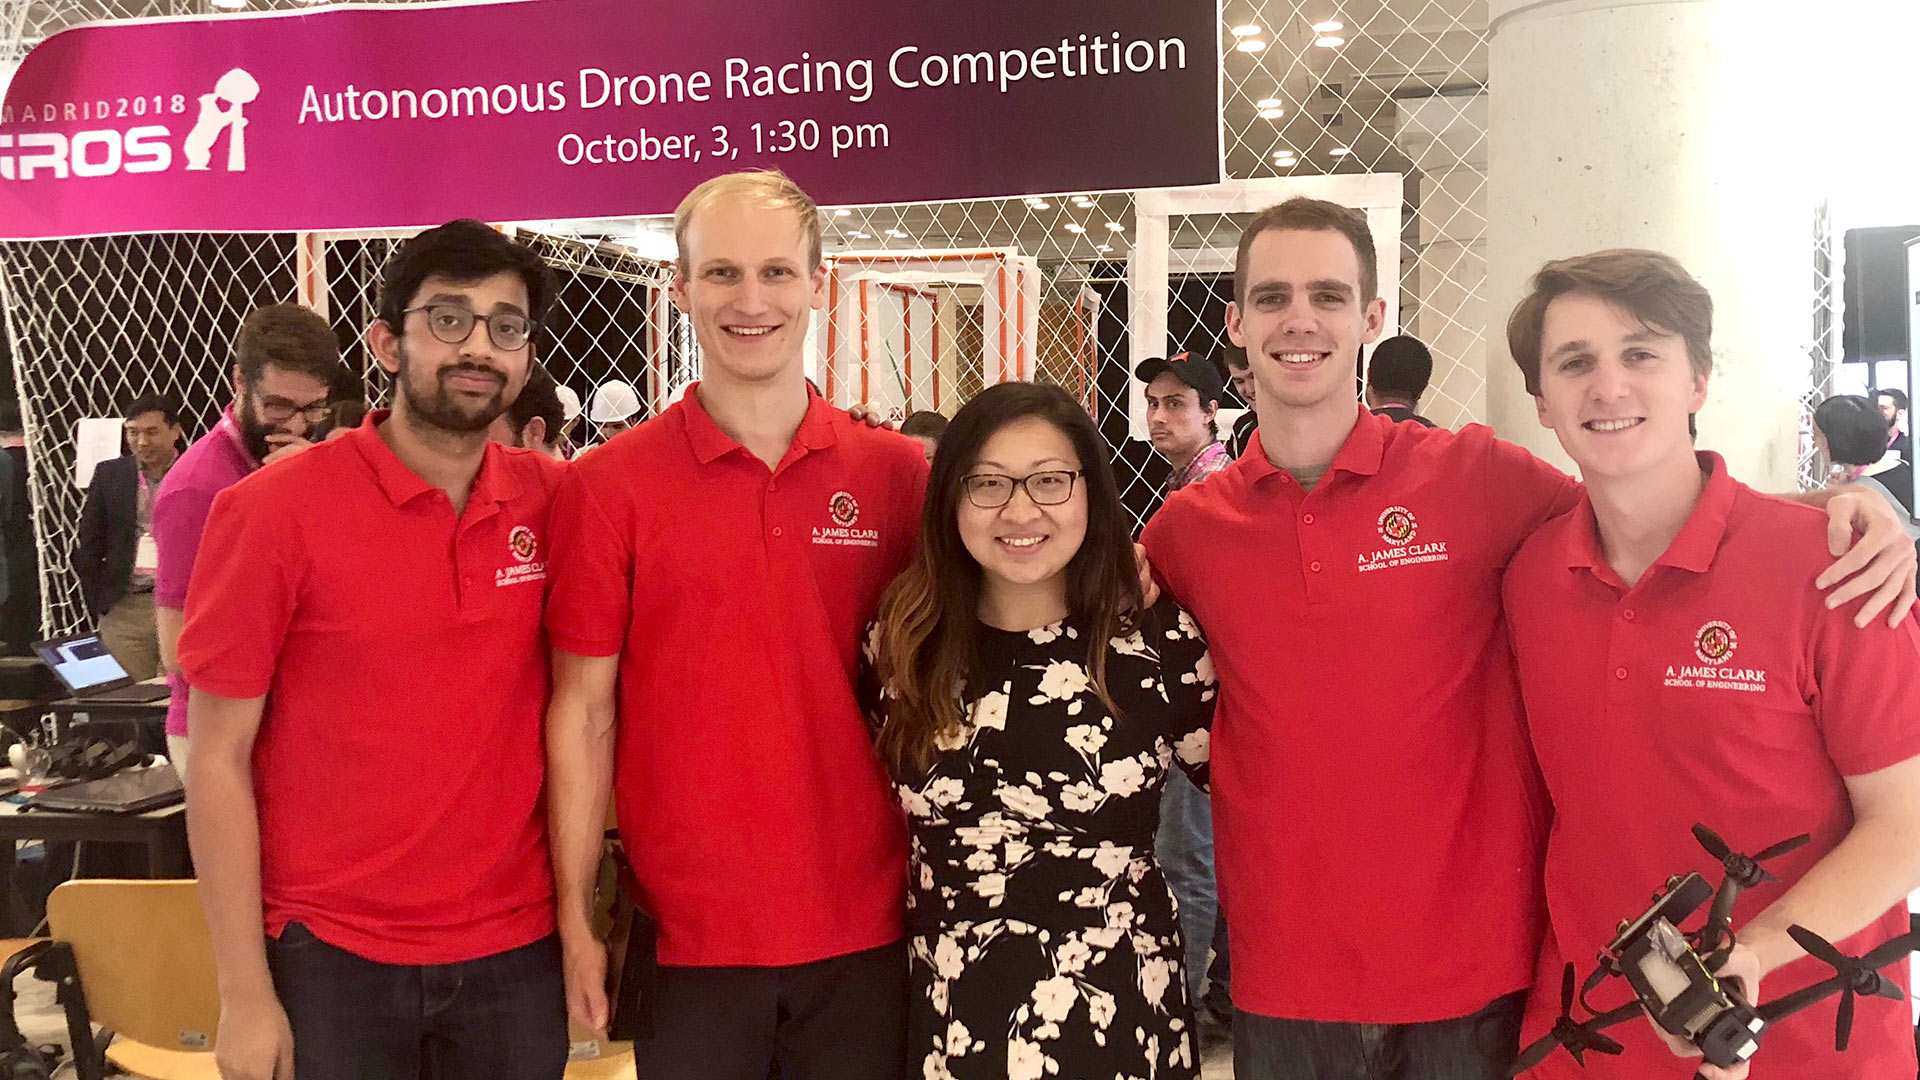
column 1362, row 453
column 709, row 443
column 1693, row 550
column 229, row 427
column 494, row 484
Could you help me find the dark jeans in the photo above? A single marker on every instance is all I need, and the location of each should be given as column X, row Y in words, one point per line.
column 501, row 1017
column 1481, row 1046
column 844, row 1018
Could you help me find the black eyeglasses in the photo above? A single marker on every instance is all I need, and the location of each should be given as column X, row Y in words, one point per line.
column 453, row 324
column 991, row 491
column 279, row 410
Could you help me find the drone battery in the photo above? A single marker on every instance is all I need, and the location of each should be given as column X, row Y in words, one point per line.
column 1732, row 1037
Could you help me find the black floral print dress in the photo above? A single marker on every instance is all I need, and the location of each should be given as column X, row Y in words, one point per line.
column 1043, row 941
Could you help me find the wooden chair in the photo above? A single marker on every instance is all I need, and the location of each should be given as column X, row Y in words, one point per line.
column 144, row 971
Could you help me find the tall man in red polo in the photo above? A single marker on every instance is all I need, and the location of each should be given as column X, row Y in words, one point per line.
column 368, row 674
column 1677, row 669
column 1378, row 820
column 713, row 570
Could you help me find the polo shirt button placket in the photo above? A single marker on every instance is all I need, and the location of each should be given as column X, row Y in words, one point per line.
column 1620, row 673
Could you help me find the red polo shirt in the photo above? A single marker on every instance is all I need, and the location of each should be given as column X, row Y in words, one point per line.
column 760, row 825
column 1717, row 689
column 1376, row 812
column 398, row 766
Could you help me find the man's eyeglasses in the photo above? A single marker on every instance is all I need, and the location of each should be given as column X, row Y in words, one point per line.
column 991, row 491
column 276, row 410
column 453, row 324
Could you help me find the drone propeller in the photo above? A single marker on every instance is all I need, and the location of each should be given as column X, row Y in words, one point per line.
column 1852, row 975
column 1577, row 1038
column 1743, row 872
column 1745, row 869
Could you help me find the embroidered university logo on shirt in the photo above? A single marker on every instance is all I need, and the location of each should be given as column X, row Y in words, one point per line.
column 1398, row 527
column 1714, row 644
column 843, row 510
column 523, row 545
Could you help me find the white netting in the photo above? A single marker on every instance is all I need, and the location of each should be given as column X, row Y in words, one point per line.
column 1071, row 290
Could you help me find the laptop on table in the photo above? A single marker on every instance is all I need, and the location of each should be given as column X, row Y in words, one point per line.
column 129, row 791
column 90, row 673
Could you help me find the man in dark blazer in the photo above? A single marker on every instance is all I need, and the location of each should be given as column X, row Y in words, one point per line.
column 116, row 557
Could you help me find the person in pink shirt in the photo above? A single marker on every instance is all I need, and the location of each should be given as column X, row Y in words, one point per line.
column 283, row 371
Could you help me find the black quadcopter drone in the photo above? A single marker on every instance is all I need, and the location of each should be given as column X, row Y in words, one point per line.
column 1671, row 971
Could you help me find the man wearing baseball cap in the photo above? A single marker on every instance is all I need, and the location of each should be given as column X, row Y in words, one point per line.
column 1183, row 398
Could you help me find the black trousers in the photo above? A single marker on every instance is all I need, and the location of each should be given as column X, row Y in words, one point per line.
column 843, row 1018
column 1480, row 1046
column 501, row 1017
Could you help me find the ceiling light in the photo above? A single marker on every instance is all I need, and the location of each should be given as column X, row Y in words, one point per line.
column 843, row 213
column 858, row 235
column 1251, row 45
column 896, row 234
column 1248, row 30
column 1115, row 226
column 1272, row 114
column 1330, row 42
column 1268, row 103
column 1284, row 155
column 1104, row 247
column 230, row 5
column 1341, row 151
column 1075, row 228
column 1039, row 204
column 1331, row 26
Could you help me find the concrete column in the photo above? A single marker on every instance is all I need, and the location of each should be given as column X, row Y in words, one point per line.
column 1445, row 137
column 1668, row 124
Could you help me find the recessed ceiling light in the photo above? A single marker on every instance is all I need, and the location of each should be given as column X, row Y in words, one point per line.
column 1246, row 30
column 1075, row 228
column 843, row 213
column 1331, row 26
column 1104, row 247
column 1268, row 103
column 1251, row 45
column 858, row 235
column 1330, row 42
column 1284, row 155
column 1039, row 204
column 1341, row 151
column 896, row 234
column 230, row 5
column 1272, row 114
column 1116, row 226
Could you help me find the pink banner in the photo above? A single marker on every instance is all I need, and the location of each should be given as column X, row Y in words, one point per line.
column 543, row 109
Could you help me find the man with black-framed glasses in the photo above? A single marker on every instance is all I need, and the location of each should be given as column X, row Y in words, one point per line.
column 284, row 366
column 365, row 649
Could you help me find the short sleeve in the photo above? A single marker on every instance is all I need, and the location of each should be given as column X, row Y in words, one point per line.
column 1186, row 670
column 590, row 573
column 246, row 587
column 1163, row 551
column 1523, row 493
column 179, row 520
column 1864, row 679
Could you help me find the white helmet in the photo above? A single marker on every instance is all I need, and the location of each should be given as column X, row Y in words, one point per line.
column 612, row 401
column 569, row 403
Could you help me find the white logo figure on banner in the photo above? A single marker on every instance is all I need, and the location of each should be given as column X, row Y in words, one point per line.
column 220, row 111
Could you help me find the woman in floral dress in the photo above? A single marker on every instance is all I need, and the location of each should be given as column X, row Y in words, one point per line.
column 1029, row 711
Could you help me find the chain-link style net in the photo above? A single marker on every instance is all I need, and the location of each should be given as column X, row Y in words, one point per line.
column 928, row 303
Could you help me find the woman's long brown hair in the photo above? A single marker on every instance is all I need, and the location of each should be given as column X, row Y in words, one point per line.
column 929, row 616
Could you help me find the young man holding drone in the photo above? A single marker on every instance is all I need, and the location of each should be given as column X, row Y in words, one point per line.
column 1677, row 670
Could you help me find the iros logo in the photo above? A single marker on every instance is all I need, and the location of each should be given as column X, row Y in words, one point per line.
column 147, row 148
